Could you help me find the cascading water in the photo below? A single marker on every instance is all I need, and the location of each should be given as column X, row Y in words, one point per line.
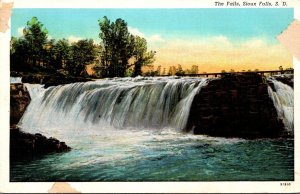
column 119, row 102
column 15, row 80
column 35, row 90
column 283, row 99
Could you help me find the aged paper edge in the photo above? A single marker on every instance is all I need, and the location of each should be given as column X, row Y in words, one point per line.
column 290, row 38
column 6, row 186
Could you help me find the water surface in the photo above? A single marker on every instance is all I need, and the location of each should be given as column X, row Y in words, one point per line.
column 131, row 155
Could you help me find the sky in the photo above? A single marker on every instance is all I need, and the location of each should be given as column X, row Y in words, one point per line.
column 213, row 39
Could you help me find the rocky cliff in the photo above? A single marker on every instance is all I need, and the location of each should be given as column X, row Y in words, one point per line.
column 237, row 105
column 19, row 100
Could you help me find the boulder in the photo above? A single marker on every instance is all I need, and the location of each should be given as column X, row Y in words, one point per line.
column 26, row 145
column 238, row 106
column 19, row 100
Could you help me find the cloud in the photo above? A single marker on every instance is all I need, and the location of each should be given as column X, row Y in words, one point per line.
column 255, row 43
column 72, row 38
column 215, row 53
column 136, row 32
column 20, row 31
column 155, row 38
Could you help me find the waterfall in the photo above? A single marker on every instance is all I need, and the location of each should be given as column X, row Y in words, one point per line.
column 15, row 80
column 140, row 102
column 35, row 90
column 283, row 99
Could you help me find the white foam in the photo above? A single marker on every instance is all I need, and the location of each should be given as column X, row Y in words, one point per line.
column 283, row 99
column 141, row 102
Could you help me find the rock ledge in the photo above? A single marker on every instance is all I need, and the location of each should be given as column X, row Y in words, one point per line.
column 24, row 145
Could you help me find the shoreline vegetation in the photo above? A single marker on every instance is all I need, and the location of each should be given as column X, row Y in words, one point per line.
column 119, row 54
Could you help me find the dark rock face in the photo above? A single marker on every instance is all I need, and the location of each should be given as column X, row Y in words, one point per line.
column 19, row 100
column 29, row 145
column 237, row 105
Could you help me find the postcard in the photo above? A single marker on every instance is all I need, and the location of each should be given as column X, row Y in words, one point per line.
column 148, row 97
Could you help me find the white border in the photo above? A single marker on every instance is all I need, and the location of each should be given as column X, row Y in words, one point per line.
column 131, row 187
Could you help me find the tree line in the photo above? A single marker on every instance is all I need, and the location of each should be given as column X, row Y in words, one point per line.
column 173, row 70
column 119, row 53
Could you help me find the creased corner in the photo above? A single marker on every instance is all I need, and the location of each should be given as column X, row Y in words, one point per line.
column 5, row 13
column 62, row 187
column 290, row 38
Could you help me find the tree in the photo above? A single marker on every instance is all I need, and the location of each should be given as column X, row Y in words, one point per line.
column 159, row 70
column 19, row 54
column 194, row 69
column 179, row 71
column 48, row 55
column 36, row 37
column 82, row 53
column 62, row 52
column 164, row 71
column 141, row 56
column 118, row 47
column 172, row 70
column 34, row 52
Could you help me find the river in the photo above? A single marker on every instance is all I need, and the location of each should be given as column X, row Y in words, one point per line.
column 131, row 129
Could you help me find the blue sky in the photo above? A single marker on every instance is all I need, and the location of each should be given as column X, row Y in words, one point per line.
column 166, row 29
column 170, row 23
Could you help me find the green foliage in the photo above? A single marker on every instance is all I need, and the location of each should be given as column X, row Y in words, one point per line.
column 48, row 57
column 140, row 54
column 61, row 53
column 35, row 37
column 34, row 52
column 29, row 53
column 118, row 47
column 82, row 53
column 29, row 50
column 19, row 55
